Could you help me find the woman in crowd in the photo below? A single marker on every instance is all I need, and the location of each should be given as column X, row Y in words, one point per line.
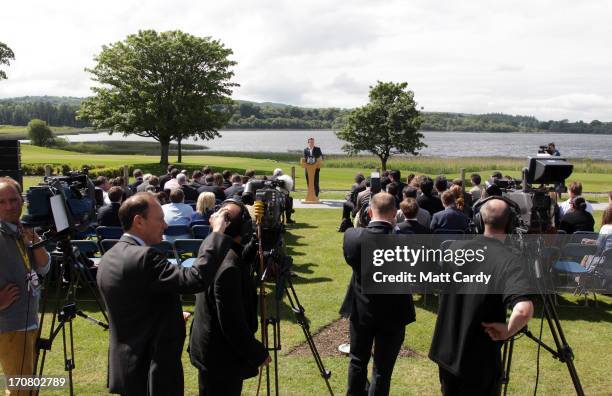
column 205, row 207
column 578, row 218
column 604, row 241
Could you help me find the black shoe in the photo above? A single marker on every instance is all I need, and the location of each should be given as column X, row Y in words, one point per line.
column 346, row 224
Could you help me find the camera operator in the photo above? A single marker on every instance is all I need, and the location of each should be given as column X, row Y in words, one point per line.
column 141, row 290
column 285, row 188
column 374, row 319
column 222, row 343
column 469, row 327
column 552, row 150
column 19, row 284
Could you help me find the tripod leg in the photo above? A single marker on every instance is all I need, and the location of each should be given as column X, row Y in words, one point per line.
column 299, row 312
column 507, row 362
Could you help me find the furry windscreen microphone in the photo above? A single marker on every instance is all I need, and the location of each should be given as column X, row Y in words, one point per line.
column 287, row 183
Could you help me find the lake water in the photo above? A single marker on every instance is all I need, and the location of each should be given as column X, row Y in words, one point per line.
column 444, row 144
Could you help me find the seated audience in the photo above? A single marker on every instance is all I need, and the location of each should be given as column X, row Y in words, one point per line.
column 161, row 197
column 227, row 175
column 146, row 182
column 108, row 215
column 173, row 183
column 441, row 184
column 427, row 200
column 101, row 187
column 196, row 181
column 450, row 218
column 410, row 225
column 423, row 216
column 191, row 194
column 574, row 190
column 205, row 206
column 604, row 241
column 463, row 200
column 210, row 186
column 163, row 179
column 236, row 189
column 396, row 179
column 577, row 218
column 138, row 180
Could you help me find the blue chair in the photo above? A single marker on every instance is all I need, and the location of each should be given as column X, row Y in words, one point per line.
column 187, row 251
column 578, row 236
column 167, row 250
column 106, row 244
column 108, row 232
column 200, row 231
column 174, row 232
column 89, row 249
column 198, row 222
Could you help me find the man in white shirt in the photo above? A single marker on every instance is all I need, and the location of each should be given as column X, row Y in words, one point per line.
column 575, row 190
column 177, row 212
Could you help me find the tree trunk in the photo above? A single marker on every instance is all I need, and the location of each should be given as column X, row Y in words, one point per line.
column 180, row 152
column 383, row 161
column 165, row 148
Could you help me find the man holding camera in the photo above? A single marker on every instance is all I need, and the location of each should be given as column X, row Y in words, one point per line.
column 141, row 290
column 470, row 328
column 378, row 320
column 222, row 344
column 311, row 154
column 19, row 284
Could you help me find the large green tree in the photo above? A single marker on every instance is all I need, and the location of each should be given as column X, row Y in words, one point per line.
column 6, row 55
column 167, row 86
column 39, row 133
column 387, row 125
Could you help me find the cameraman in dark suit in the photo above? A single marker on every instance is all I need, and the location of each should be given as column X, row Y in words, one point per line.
column 311, row 154
column 222, row 344
column 378, row 319
column 140, row 289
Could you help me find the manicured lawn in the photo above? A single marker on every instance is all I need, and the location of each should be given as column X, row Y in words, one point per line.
column 321, row 281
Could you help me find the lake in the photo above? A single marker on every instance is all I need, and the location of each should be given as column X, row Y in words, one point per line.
column 443, row 144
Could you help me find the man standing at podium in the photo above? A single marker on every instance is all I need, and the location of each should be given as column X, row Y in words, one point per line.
column 311, row 154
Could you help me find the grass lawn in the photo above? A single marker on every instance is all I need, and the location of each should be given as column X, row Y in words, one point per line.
column 321, row 283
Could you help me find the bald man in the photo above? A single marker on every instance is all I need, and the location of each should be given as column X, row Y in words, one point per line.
column 19, row 284
column 469, row 327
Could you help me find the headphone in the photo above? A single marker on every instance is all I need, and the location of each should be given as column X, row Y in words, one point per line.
column 246, row 228
column 513, row 218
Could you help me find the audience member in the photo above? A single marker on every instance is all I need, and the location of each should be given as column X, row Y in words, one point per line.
column 348, row 207
column 227, row 175
column 236, row 189
column 577, row 218
column 476, row 189
column 138, row 180
column 210, row 186
column 574, row 190
column 463, row 200
column 196, row 181
column 396, row 179
column 161, row 197
column 177, row 212
column 604, row 241
column 410, row 209
column 450, row 218
column 101, row 187
column 191, row 194
column 423, row 216
column 427, row 200
column 441, row 184
column 205, row 207
column 108, row 215
column 250, row 173
column 163, row 179
column 173, row 183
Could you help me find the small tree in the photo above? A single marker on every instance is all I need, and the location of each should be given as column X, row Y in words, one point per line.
column 39, row 133
column 6, row 55
column 387, row 125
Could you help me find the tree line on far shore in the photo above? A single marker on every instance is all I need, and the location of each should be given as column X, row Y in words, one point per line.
column 61, row 111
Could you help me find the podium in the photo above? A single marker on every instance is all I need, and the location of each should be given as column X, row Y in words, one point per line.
column 311, row 197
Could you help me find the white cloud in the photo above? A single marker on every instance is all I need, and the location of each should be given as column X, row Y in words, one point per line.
column 548, row 58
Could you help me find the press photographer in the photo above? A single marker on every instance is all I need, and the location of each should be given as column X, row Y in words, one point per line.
column 19, row 284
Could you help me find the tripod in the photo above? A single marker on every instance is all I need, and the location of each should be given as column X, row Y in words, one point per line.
column 562, row 351
column 277, row 269
column 71, row 274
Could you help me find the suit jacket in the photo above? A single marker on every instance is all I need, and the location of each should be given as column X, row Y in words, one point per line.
column 316, row 152
column 449, row 219
column 372, row 310
column 140, row 289
column 218, row 191
column 163, row 179
column 237, row 189
column 412, row 226
column 430, row 203
column 222, row 340
column 108, row 215
column 135, row 185
column 191, row 194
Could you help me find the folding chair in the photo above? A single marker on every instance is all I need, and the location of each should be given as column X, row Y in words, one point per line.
column 177, row 232
column 200, row 231
column 167, row 249
column 109, row 232
column 106, row 244
column 578, row 236
column 569, row 267
column 187, row 251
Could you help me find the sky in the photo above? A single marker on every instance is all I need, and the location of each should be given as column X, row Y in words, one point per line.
column 548, row 59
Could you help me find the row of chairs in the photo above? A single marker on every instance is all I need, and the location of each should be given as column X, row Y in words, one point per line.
column 180, row 252
column 197, row 230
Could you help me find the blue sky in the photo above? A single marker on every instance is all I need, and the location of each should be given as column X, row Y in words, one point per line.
column 550, row 59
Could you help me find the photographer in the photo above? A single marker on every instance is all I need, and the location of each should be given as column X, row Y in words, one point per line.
column 285, row 186
column 222, row 343
column 141, row 290
column 469, row 327
column 19, row 284
column 378, row 319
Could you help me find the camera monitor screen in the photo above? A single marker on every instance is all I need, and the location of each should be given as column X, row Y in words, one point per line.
column 548, row 170
column 60, row 214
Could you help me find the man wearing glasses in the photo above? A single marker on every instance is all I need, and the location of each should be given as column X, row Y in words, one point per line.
column 20, row 267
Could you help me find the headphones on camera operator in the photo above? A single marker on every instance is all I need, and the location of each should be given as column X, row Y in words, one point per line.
column 513, row 218
column 245, row 227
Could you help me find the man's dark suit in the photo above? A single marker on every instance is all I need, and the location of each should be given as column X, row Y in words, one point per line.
column 108, row 215
column 430, row 203
column 222, row 342
column 191, row 194
column 141, row 291
column 218, row 191
column 234, row 189
column 379, row 318
column 449, row 219
column 316, row 153
column 134, row 186
column 163, row 179
column 412, row 227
